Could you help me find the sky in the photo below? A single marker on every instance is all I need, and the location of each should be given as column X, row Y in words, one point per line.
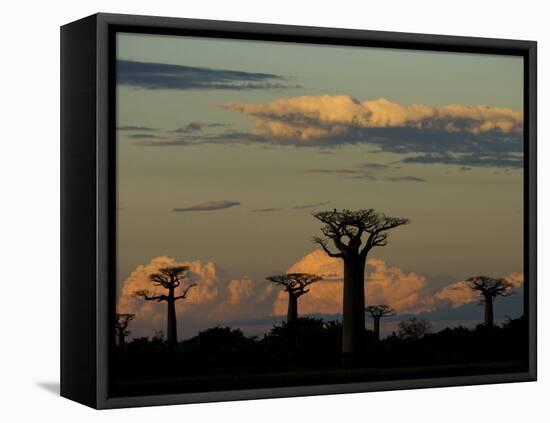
column 225, row 148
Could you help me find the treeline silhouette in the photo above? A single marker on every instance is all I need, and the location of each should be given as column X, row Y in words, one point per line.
column 308, row 351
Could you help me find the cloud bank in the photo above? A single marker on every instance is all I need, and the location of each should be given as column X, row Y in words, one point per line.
column 209, row 206
column 156, row 76
column 311, row 117
column 246, row 303
column 384, row 284
column 215, row 300
column 461, row 134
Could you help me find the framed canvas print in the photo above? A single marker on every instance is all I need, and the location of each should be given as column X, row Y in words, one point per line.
column 256, row 211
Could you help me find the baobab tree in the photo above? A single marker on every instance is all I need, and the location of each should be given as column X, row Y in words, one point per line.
column 489, row 289
column 169, row 278
column 121, row 326
column 377, row 312
column 295, row 284
column 354, row 234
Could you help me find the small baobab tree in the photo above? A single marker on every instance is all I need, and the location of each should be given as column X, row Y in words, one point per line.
column 489, row 289
column 354, row 234
column 295, row 284
column 377, row 312
column 122, row 320
column 169, row 278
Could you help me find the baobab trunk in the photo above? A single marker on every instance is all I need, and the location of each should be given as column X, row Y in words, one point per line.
column 489, row 311
column 121, row 339
column 353, row 318
column 376, row 327
column 292, row 314
column 171, row 328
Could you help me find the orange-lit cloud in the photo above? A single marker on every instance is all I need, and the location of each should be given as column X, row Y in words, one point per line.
column 312, row 117
column 214, row 300
column 384, row 284
column 459, row 293
column 217, row 300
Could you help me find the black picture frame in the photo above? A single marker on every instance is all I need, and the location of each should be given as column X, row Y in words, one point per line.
column 88, row 194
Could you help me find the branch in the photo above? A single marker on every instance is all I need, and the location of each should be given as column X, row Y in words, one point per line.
column 159, row 280
column 323, row 243
column 145, row 295
column 185, row 291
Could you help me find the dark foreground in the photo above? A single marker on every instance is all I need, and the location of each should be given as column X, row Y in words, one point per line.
column 308, row 353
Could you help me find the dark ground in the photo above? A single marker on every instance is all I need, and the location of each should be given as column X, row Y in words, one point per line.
column 308, row 353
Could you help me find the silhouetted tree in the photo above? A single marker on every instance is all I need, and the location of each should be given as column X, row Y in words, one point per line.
column 414, row 328
column 295, row 284
column 489, row 288
column 346, row 229
column 121, row 326
column 169, row 278
column 158, row 336
column 377, row 312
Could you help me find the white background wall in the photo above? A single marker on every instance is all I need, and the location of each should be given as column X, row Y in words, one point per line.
column 29, row 236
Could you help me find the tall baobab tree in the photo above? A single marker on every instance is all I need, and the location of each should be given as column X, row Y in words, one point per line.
column 488, row 289
column 346, row 229
column 121, row 326
column 169, row 278
column 377, row 312
column 295, row 284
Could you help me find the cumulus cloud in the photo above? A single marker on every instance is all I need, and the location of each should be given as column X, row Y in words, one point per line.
column 461, row 134
column 459, row 293
column 311, row 117
column 384, row 284
column 209, row 206
column 240, row 302
column 156, row 76
column 215, row 300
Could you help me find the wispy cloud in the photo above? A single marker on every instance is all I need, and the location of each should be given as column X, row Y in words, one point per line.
column 375, row 166
column 298, row 207
column 157, row 76
column 135, row 128
column 368, row 171
column 311, row 206
column 405, row 179
column 145, row 137
column 267, row 210
column 209, row 206
column 466, row 161
column 198, row 126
